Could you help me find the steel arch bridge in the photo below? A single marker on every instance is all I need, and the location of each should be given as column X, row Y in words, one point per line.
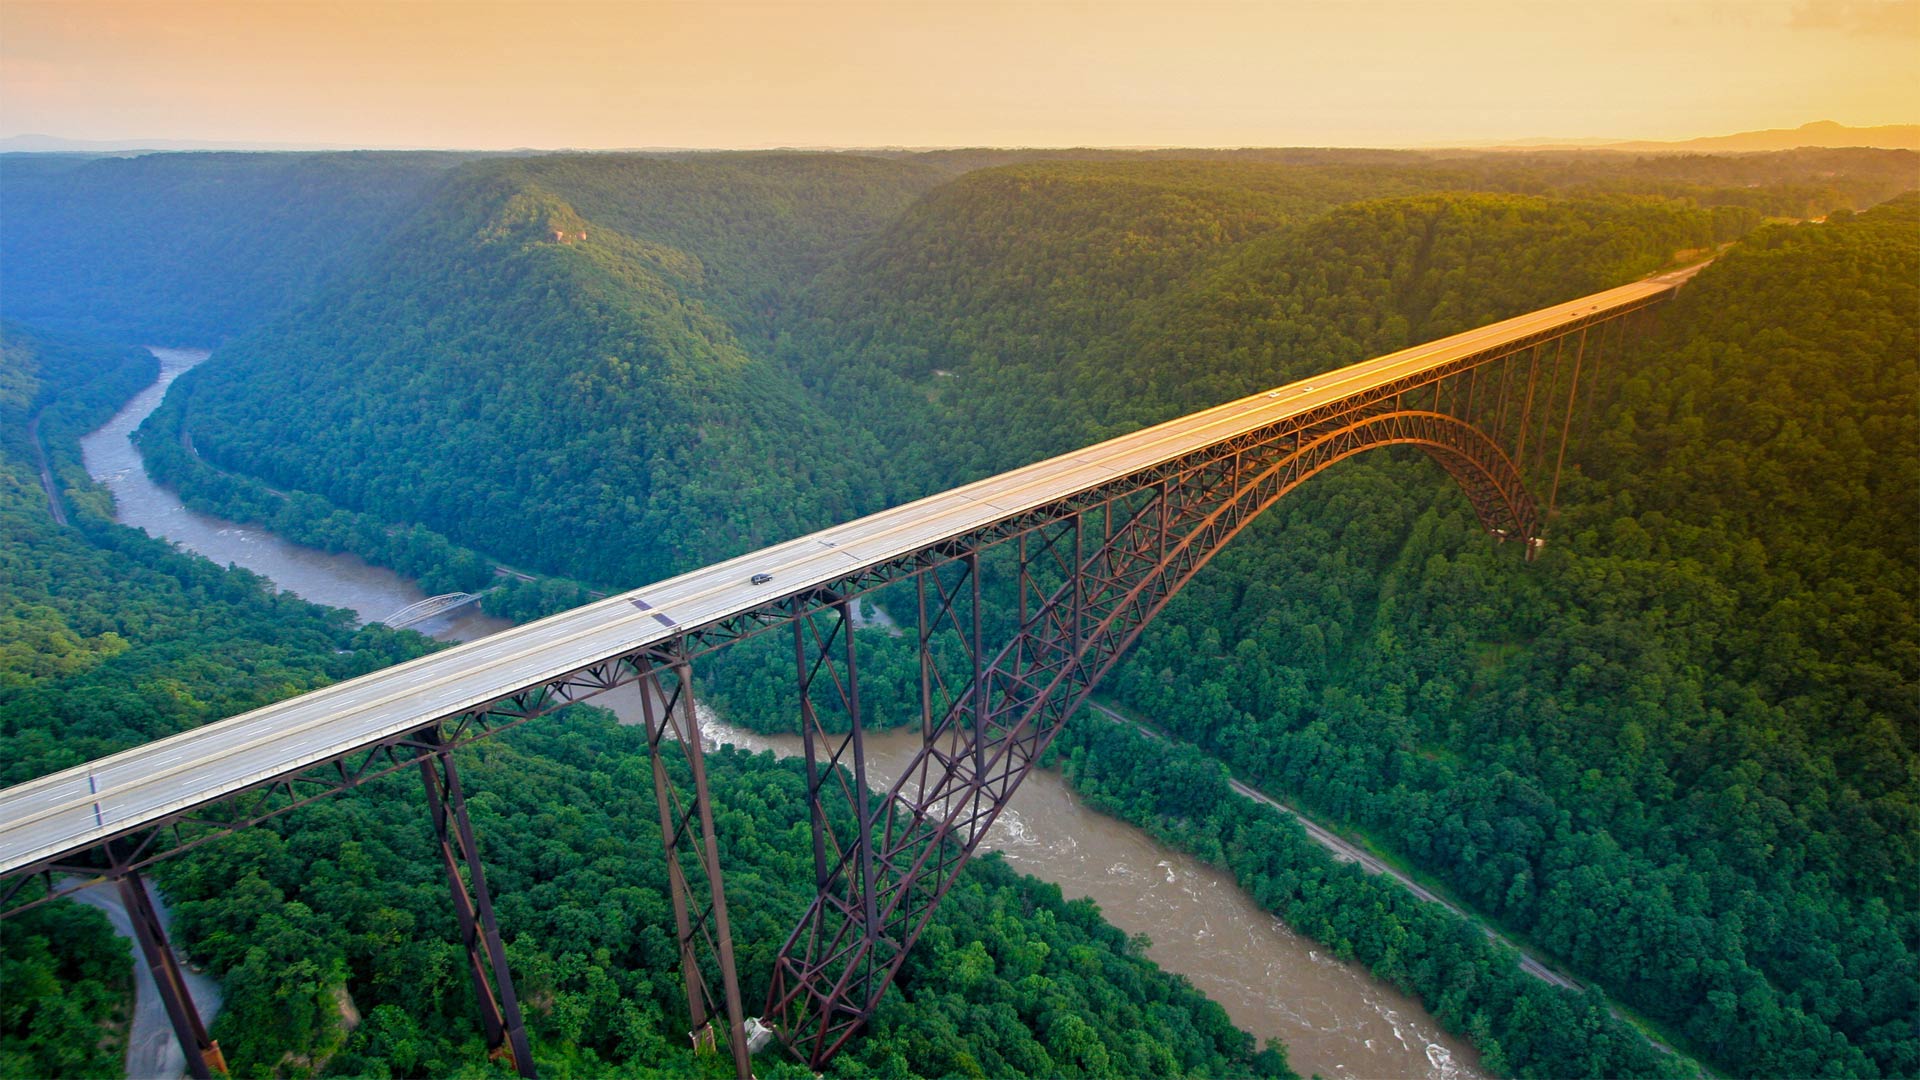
column 421, row 610
column 1093, row 544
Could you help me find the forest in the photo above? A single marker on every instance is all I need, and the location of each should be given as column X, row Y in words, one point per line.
column 189, row 249
column 1679, row 754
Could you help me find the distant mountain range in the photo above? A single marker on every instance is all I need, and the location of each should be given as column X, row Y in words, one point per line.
column 54, row 144
column 1820, row 133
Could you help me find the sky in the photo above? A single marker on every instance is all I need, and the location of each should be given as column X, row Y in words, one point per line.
column 473, row 75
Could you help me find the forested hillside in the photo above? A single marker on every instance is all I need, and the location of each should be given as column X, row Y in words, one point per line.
column 603, row 349
column 189, row 249
column 1024, row 310
column 755, row 228
column 1120, row 352
column 1804, row 182
column 331, row 928
column 1682, row 750
column 108, row 639
column 555, row 391
column 1010, row 286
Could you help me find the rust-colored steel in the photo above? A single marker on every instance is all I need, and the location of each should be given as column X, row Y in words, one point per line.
column 473, row 906
column 1566, row 426
column 829, row 978
column 704, row 930
column 840, row 932
column 194, row 825
column 202, row 1053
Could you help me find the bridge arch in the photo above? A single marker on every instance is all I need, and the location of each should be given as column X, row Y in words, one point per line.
column 421, row 610
column 1125, row 524
column 1484, row 472
column 836, row 964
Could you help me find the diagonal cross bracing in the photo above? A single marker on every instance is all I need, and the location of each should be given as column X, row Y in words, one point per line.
column 967, row 771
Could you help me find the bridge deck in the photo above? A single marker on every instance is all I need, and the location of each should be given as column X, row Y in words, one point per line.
column 81, row 806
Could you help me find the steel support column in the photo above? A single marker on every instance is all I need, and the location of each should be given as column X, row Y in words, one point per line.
column 834, row 947
column 1526, row 409
column 1566, row 426
column 830, row 974
column 203, row 1054
column 671, row 716
column 473, row 905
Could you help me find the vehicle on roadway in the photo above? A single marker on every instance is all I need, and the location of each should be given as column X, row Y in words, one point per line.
column 761, row 579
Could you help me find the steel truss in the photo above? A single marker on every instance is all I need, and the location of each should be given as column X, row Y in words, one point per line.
column 1092, row 569
column 202, row 1053
column 878, row 891
column 473, row 906
column 700, row 918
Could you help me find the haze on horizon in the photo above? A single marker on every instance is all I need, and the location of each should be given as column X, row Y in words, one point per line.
column 472, row 75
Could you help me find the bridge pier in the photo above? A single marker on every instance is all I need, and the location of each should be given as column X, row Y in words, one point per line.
column 473, row 904
column 203, row 1054
column 833, row 945
column 702, row 929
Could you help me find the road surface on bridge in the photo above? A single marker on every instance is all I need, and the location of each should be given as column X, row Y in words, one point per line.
column 84, row 805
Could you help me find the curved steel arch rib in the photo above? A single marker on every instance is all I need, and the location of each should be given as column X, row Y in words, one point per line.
column 421, row 610
column 1483, row 471
column 878, row 896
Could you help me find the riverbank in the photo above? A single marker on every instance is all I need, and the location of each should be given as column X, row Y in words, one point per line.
column 1348, row 852
column 1336, row 1020
column 336, row 580
column 1373, row 864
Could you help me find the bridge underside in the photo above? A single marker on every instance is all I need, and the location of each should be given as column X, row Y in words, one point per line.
column 1089, row 579
column 1015, row 623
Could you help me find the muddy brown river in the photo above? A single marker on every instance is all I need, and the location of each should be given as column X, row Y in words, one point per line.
column 1335, row 1019
column 346, row 581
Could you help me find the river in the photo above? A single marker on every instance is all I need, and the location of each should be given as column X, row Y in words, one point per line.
column 341, row 580
column 1335, row 1019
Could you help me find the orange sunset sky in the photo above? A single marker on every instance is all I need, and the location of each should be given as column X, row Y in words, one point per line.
column 633, row 74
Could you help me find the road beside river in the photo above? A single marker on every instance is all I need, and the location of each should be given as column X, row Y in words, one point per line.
column 1348, row 852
